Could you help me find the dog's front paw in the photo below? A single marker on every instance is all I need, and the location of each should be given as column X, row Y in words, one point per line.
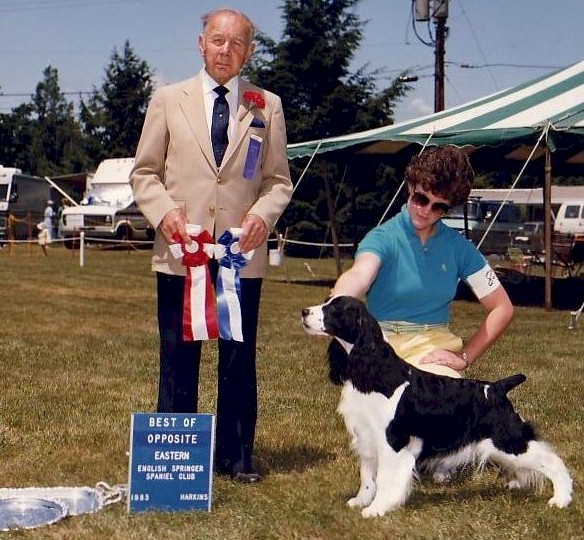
column 359, row 501
column 515, row 484
column 559, row 501
column 442, row 477
column 374, row 510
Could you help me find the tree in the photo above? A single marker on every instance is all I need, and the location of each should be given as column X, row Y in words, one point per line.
column 310, row 69
column 114, row 114
column 54, row 143
column 16, row 135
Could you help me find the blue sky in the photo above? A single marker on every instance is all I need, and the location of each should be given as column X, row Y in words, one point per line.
column 506, row 42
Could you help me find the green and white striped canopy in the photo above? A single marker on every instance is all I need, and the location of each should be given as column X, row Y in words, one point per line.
column 513, row 118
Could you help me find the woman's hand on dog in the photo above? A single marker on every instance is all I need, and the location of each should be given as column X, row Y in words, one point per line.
column 445, row 358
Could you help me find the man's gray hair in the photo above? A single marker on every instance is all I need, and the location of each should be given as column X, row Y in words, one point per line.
column 206, row 18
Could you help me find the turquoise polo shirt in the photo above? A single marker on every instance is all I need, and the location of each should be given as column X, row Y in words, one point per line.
column 416, row 282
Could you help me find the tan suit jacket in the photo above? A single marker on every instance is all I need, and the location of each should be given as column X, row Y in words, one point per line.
column 175, row 168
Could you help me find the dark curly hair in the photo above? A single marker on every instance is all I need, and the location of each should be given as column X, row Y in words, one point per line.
column 444, row 171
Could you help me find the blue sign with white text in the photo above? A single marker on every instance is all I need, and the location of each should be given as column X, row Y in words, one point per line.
column 171, row 462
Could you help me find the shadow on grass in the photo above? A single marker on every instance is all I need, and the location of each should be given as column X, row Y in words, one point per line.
column 457, row 493
column 289, row 460
column 308, row 281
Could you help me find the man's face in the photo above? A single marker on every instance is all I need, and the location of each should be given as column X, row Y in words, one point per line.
column 225, row 46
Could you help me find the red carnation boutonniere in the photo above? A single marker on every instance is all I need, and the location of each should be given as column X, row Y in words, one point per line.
column 254, row 99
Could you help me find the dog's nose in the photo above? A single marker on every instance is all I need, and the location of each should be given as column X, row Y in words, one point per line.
column 305, row 312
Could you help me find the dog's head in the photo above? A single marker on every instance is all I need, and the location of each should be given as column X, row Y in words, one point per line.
column 357, row 335
column 339, row 317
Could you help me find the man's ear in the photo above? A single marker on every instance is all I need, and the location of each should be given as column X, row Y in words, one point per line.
column 249, row 53
column 201, row 43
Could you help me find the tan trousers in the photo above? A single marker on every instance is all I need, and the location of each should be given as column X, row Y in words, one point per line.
column 412, row 346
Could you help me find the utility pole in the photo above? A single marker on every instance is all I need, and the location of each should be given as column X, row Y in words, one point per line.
column 441, row 31
column 440, row 15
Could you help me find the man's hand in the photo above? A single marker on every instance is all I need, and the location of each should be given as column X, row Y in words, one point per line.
column 174, row 222
column 254, row 234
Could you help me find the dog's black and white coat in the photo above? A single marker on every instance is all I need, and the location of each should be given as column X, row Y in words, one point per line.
column 400, row 417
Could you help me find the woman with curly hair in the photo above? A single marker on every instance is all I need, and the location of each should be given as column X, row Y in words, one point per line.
column 409, row 267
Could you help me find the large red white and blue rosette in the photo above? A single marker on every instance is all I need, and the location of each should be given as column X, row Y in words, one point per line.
column 202, row 319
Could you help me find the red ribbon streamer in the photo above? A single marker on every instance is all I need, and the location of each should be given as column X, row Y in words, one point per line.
column 193, row 258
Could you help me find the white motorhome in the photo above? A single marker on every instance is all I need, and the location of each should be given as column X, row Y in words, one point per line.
column 7, row 195
column 108, row 210
column 6, row 176
column 570, row 218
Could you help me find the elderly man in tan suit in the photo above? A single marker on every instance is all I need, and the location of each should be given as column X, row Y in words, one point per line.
column 213, row 153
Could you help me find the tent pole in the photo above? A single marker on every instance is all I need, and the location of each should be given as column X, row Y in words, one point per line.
column 307, row 166
column 547, row 216
column 333, row 225
column 353, row 188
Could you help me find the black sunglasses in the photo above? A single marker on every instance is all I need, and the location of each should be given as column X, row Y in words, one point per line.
column 420, row 199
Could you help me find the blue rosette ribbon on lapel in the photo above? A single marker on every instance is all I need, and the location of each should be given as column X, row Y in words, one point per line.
column 228, row 288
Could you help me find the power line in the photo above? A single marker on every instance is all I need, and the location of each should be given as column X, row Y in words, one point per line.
column 411, row 70
column 28, row 94
column 481, row 66
column 464, row 65
column 38, row 5
column 482, row 53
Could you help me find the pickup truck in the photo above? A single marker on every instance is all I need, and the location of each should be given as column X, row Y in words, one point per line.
column 108, row 210
column 481, row 217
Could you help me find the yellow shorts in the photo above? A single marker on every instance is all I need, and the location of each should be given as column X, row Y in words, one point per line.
column 412, row 346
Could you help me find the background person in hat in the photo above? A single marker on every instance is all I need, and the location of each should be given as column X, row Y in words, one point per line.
column 48, row 220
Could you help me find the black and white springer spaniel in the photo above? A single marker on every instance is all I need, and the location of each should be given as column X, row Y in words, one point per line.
column 401, row 418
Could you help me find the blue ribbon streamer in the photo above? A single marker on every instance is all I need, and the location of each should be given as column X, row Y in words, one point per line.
column 229, row 287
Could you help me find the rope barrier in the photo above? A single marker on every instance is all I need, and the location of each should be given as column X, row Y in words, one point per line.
column 312, row 244
column 97, row 240
column 80, row 241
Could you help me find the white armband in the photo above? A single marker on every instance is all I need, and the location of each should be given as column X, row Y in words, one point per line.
column 483, row 282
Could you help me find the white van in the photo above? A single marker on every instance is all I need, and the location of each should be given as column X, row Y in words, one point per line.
column 108, row 210
column 570, row 217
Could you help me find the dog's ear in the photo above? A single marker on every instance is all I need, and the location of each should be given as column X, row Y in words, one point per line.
column 338, row 360
column 370, row 339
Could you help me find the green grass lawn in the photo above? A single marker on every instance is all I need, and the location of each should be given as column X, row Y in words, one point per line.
column 78, row 350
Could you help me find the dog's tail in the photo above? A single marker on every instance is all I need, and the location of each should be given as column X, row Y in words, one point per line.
column 504, row 386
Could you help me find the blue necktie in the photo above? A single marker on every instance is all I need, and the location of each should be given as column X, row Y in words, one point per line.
column 219, row 138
